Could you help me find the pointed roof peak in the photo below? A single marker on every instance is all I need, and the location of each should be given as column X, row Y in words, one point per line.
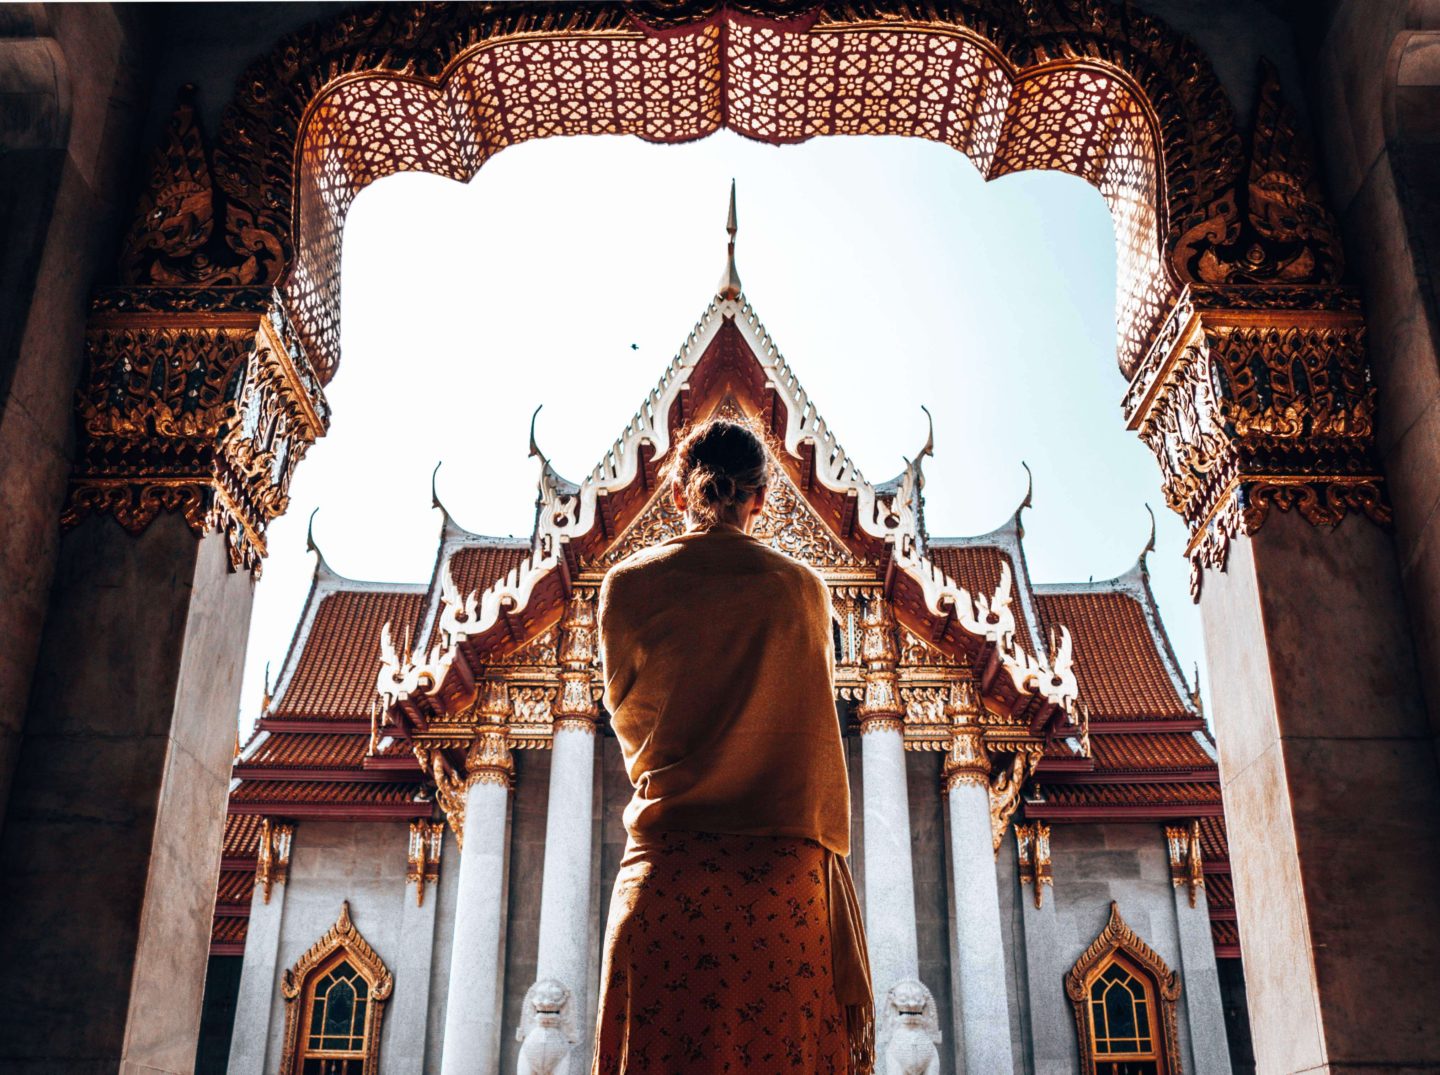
column 730, row 281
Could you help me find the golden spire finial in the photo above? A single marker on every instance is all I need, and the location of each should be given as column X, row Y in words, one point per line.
column 730, row 282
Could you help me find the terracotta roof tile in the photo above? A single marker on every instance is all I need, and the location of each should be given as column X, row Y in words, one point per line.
column 1214, row 842
column 977, row 568
column 1148, row 752
column 224, row 930
column 323, row 791
column 311, row 751
column 1119, row 668
column 335, row 675
column 1219, row 890
column 1225, row 933
column 478, row 567
column 242, row 836
column 235, row 886
column 1187, row 794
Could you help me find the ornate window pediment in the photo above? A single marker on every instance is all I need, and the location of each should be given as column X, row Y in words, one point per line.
column 1124, row 998
column 334, row 998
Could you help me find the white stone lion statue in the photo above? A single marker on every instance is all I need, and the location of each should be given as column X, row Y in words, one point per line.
column 909, row 1030
column 547, row 1029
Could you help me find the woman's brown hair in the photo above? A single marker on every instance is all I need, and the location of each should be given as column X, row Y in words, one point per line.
column 717, row 466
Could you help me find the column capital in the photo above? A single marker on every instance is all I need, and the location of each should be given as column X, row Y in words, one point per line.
column 1255, row 397
column 575, row 709
column 967, row 762
column 881, row 708
column 195, row 399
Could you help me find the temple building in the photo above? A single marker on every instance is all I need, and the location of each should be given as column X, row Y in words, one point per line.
column 424, row 826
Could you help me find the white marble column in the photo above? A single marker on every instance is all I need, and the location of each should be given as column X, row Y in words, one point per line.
column 260, row 972
column 979, row 970
column 472, row 1004
column 889, row 873
column 563, row 951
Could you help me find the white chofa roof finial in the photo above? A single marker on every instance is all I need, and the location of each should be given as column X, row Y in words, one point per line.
column 730, row 282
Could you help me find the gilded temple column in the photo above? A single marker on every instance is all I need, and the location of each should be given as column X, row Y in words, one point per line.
column 564, row 957
column 1259, row 406
column 472, row 1005
column 979, row 970
column 889, row 874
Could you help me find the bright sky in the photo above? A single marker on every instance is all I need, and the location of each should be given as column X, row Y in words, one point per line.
column 569, row 271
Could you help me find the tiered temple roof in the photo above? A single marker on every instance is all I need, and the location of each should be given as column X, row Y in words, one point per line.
column 1087, row 667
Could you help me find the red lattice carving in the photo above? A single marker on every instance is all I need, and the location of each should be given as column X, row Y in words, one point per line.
column 781, row 86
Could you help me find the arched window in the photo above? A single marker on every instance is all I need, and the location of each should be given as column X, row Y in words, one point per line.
column 1124, row 997
column 334, row 997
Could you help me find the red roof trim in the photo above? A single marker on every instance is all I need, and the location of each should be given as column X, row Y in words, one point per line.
column 1159, row 812
column 335, row 811
column 227, row 948
column 1227, row 951
column 1206, row 775
column 301, row 726
column 347, row 775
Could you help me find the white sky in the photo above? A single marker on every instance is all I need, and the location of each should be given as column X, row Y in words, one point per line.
column 887, row 271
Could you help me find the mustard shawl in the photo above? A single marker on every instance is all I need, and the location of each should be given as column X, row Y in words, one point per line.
column 718, row 655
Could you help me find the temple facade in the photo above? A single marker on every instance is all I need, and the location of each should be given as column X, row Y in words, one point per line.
column 424, row 826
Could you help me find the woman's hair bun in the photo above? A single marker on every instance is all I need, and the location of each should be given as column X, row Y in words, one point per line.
column 718, row 465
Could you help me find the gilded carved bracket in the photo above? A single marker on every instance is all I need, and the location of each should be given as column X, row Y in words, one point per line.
column 198, row 400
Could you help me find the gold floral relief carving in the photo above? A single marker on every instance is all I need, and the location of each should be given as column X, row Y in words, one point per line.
column 1257, row 410
column 206, row 411
column 786, row 523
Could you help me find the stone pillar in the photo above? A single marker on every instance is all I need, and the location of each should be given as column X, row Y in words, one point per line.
column 195, row 408
column 889, row 874
column 403, row 1049
column 260, row 970
column 563, row 950
column 1209, row 1046
column 980, row 956
column 472, row 1004
column 1332, row 792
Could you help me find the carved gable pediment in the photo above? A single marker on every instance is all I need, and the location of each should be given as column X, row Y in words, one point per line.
column 788, row 523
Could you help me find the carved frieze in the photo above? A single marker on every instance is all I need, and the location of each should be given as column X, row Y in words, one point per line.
column 199, row 401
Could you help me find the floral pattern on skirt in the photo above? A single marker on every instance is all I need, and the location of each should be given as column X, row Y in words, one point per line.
column 718, row 959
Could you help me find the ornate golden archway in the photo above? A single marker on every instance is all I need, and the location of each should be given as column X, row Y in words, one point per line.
column 1245, row 355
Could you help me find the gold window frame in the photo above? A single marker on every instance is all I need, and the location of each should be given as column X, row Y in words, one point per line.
column 341, row 943
column 1118, row 943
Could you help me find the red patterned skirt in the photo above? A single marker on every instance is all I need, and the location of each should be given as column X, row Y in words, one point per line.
column 718, row 959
